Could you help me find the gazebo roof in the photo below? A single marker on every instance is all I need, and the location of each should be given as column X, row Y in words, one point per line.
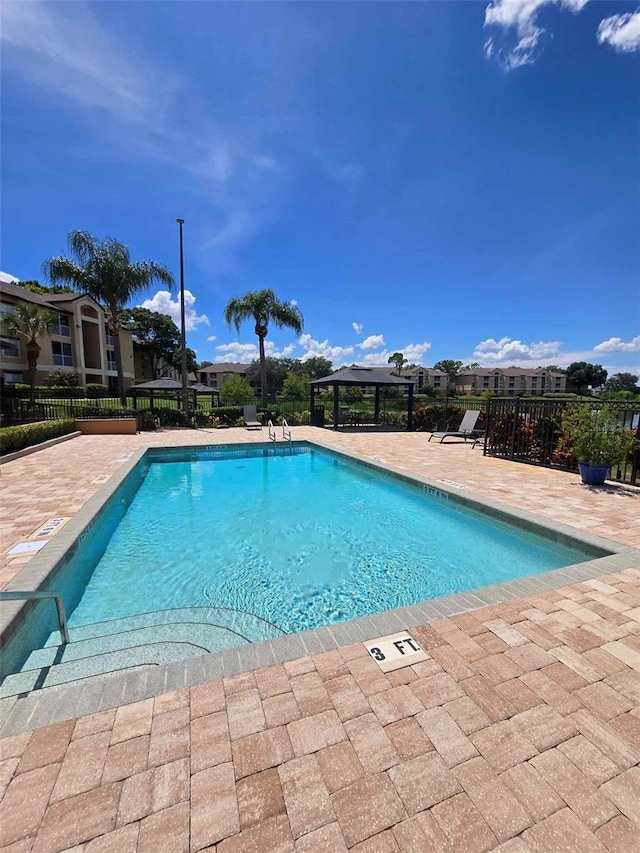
column 203, row 389
column 159, row 385
column 361, row 376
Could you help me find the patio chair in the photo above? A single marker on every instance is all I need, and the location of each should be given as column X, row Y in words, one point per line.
column 250, row 415
column 467, row 428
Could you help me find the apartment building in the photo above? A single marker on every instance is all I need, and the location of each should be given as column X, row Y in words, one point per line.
column 511, row 381
column 80, row 342
column 217, row 374
column 427, row 377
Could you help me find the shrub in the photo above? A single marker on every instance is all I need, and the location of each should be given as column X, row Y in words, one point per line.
column 204, row 420
column 62, row 379
column 95, row 389
column 596, row 436
column 148, row 421
column 227, row 414
column 18, row 437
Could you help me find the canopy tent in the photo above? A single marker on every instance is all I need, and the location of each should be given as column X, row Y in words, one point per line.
column 364, row 377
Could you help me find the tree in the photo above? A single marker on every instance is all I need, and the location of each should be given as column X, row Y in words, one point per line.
column 471, row 366
column 583, row 374
column 236, row 389
column 204, row 364
column 622, row 382
column 452, row 369
column 398, row 359
column 553, row 368
column 315, row 367
column 103, row 270
column 295, row 386
column 277, row 369
column 158, row 336
column 29, row 322
column 263, row 307
column 43, row 290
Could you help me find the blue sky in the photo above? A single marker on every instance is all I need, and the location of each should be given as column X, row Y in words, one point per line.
column 449, row 179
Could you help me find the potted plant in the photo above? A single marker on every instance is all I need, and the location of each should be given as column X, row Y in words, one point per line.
column 598, row 440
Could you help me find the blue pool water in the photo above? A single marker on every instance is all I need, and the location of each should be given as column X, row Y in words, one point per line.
column 299, row 540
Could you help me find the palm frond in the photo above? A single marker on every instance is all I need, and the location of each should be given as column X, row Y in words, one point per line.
column 63, row 270
column 286, row 315
column 27, row 321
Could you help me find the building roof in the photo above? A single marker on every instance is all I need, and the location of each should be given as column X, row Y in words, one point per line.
column 509, row 371
column 361, row 376
column 10, row 289
column 225, row 367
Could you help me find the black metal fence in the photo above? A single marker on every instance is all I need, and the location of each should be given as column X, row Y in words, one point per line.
column 530, row 431
column 19, row 406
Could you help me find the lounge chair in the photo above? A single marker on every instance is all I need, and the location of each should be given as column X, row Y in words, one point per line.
column 250, row 415
column 467, row 428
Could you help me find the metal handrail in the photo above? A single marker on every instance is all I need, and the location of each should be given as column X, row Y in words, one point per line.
column 6, row 595
column 286, row 431
column 272, row 432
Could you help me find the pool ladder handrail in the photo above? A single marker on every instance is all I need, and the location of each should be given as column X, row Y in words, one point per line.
column 272, row 432
column 286, row 431
column 26, row 595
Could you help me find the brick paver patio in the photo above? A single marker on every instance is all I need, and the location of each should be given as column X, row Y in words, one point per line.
column 521, row 732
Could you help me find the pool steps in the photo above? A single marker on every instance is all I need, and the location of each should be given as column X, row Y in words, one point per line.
column 133, row 642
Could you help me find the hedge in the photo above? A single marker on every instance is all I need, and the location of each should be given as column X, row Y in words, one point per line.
column 18, row 437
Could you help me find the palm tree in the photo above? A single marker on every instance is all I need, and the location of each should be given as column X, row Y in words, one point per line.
column 29, row 322
column 103, row 269
column 263, row 307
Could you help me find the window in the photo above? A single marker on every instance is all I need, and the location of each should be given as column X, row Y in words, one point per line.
column 11, row 378
column 62, row 327
column 436, row 381
column 7, row 307
column 111, row 360
column 10, row 348
column 109, row 338
column 534, row 382
column 62, row 354
column 485, row 382
column 558, row 382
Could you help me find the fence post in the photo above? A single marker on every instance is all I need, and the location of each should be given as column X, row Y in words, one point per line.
column 516, row 418
column 487, row 425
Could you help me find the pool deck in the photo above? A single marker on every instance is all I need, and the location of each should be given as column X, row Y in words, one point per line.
column 520, row 732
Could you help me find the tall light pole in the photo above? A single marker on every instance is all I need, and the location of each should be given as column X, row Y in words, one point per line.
column 183, row 333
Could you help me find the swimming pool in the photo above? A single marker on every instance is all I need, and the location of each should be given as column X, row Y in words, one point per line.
column 204, row 549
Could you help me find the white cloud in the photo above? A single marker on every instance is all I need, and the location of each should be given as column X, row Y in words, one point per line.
column 506, row 349
column 357, row 328
column 622, row 32
column 618, row 345
column 293, row 302
column 212, row 338
column 414, row 353
column 372, row 342
column 164, row 304
column 248, row 352
column 520, row 17
column 335, row 354
column 64, row 49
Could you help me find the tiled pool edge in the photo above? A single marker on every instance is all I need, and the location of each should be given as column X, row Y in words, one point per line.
column 55, row 704
column 61, row 703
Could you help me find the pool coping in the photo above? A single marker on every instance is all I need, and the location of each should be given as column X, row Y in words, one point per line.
column 53, row 704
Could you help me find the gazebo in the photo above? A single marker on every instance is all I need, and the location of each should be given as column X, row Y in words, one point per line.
column 172, row 385
column 362, row 376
